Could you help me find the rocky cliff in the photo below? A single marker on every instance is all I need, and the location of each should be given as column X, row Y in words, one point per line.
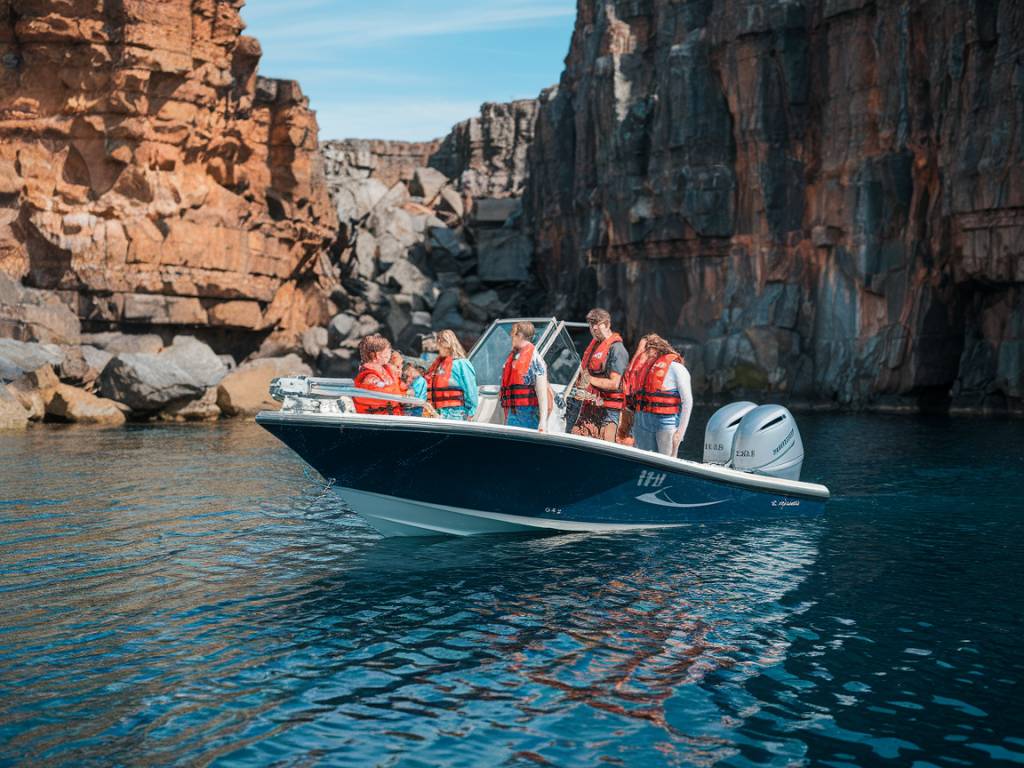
column 823, row 199
column 149, row 176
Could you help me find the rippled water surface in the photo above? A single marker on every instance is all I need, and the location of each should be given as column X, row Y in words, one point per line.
column 185, row 595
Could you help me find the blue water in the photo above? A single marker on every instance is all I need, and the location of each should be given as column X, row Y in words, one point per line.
column 185, row 595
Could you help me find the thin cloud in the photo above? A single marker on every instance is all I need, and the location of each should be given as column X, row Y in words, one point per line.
column 368, row 27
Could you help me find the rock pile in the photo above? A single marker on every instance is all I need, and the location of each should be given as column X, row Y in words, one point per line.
column 113, row 377
column 420, row 249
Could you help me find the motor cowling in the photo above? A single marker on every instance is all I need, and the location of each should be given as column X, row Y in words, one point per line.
column 720, row 431
column 768, row 442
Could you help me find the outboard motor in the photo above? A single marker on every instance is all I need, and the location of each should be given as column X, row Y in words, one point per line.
column 768, row 442
column 721, row 430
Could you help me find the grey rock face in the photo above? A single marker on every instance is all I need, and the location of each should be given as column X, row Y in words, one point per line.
column 147, row 383
column 788, row 190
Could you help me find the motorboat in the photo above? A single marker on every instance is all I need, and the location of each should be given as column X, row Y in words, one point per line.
column 425, row 476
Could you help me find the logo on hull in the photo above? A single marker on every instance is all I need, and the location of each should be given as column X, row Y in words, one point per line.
column 662, row 499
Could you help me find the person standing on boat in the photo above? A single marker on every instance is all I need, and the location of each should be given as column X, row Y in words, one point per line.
column 525, row 395
column 451, row 379
column 663, row 399
column 630, row 385
column 603, row 366
column 377, row 373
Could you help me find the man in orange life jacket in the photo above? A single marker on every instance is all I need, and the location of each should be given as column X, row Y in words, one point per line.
column 602, row 369
column 376, row 373
column 525, row 395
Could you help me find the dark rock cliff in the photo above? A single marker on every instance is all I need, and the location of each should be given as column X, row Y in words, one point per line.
column 822, row 199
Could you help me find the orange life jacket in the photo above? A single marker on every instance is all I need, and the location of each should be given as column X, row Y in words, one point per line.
column 440, row 391
column 650, row 398
column 380, row 378
column 595, row 361
column 632, row 379
column 515, row 393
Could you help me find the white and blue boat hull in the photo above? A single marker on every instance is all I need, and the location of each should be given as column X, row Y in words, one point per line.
column 413, row 477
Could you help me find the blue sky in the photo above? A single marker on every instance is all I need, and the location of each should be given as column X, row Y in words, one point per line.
column 410, row 69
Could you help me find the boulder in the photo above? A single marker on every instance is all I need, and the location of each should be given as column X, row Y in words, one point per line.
column 278, row 344
column 399, row 314
column 357, row 197
column 20, row 357
column 338, row 363
column 148, row 383
column 404, row 277
column 204, row 408
column 451, row 202
column 95, row 357
column 245, row 392
column 115, row 342
column 503, row 255
column 197, row 360
column 390, row 252
column 29, row 314
column 490, row 211
column 77, row 406
column 339, row 329
column 447, row 303
column 367, row 326
column 34, row 390
column 364, row 256
column 313, row 341
column 427, row 183
column 12, row 414
column 75, row 369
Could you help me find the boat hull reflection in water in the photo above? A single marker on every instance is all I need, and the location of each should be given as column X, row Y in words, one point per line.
column 413, row 477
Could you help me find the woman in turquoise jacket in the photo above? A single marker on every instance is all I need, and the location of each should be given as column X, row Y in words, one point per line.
column 451, row 380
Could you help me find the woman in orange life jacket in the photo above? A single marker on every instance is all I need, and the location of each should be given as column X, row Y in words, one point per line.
column 629, row 388
column 603, row 366
column 663, row 399
column 376, row 373
column 525, row 395
column 451, row 379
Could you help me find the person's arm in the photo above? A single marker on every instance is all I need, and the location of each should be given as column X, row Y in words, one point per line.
column 685, row 406
column 541, row 386
column 467, row 381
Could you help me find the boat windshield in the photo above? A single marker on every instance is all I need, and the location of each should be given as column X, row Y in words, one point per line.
column 489, row 354
column 562, row 359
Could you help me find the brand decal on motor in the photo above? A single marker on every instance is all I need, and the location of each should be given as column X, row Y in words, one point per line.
column 784, row 443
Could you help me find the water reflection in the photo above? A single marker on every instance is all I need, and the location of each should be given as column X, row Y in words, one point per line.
column 159, row 602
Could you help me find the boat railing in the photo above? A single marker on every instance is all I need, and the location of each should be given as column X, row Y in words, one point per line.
column 297, row 388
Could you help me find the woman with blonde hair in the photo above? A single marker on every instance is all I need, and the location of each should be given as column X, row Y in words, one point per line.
column 451, row 379
column 662, row 398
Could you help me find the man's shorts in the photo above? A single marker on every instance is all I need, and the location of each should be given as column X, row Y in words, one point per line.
column 592, row 419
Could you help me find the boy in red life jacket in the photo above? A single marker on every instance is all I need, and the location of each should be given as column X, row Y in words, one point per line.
column 604, row 364
column 376, row 373
column 525, row 395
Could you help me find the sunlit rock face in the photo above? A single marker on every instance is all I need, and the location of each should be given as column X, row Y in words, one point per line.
column 149, row 174
column 823, row 200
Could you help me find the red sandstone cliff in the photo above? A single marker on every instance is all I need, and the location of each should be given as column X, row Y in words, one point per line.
column 149, row 175
column 822, row 199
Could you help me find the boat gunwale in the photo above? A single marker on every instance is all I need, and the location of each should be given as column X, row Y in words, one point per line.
column 580, row 442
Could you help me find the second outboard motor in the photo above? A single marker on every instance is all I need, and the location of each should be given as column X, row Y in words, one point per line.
column 721, row 430
column 768, row 443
